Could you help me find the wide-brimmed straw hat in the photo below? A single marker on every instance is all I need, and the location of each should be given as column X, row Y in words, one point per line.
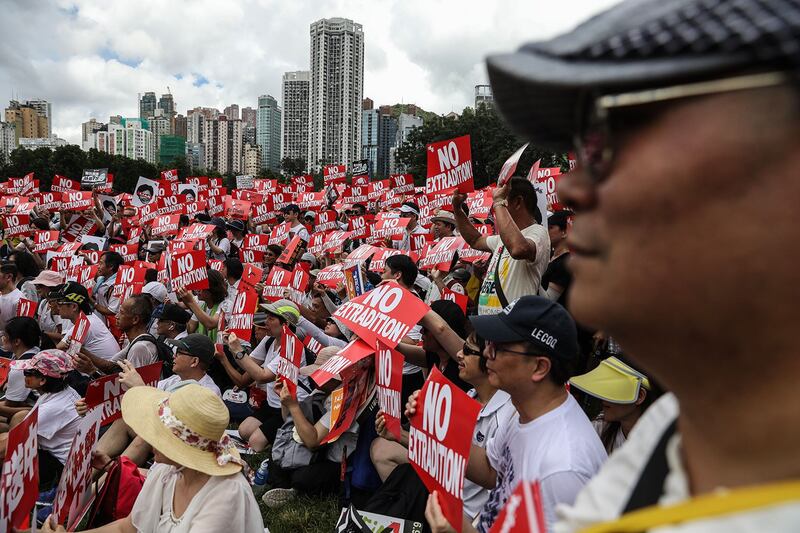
column 187, row 426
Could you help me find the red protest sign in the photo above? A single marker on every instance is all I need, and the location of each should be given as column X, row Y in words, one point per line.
column 402, row 183
column 107, row 391
column 387, row 312
column 48, row 201
column 16, row 225
column 523, row 511
column 480, row 203
column 196, row 231
column 358, row 227
column 172, row 204
column 357, row 194
column 76, row 200
column 360, row 255
column 276, row 283
column 444, row 422
column 129, row 252
column 351, row 354
column 450, row 166
column 510, row 166
column 251, row 256
column 255, row 241
column 19, row 485
column 347, row 400
column 189, row 270
column 165, row 225
column 73, row 495
column 62, row 184
column 388, row 385
column 27, row 308
column 311, row 200
column 291, row 355
column 460, row 299
column 240, row 321
column 289, row 254
column 440, row 255
column 325, row 221
column 44, row 241
column 316, row 244
column 170, row 175
column 331, row 276
column 390, row 227
column 280, row 234
column 80, row 330
column 5, row 367
column 251, row 275
column 377, row 189
column 334, row 174
column 550, row 178
column 237, row 208
column 77, row 227
column 335, row 239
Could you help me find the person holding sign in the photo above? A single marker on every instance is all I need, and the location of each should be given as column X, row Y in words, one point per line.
column 291, row 214
column 196, row 482
column 409, row 210
column 73, row 299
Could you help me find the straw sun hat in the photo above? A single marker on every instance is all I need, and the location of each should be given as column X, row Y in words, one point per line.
column 187, row 426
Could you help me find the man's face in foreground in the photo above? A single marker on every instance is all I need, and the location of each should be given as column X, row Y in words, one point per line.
column 695, row 213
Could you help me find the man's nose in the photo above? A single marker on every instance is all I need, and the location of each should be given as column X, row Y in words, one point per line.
column 576, row 191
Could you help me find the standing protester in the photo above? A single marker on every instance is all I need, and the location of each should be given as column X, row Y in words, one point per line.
column 409, row 210
column 720, row 453
column 291, row 214
column 557, row 278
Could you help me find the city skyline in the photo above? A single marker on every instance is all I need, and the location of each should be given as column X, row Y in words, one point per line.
column 92, row 60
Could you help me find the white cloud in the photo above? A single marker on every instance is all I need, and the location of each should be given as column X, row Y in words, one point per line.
column 91, row 58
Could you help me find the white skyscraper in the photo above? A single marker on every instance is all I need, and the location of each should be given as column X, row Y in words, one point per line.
column 335, row 92
column 294, row 126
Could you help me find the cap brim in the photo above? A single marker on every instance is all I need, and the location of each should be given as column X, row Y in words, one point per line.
column 494, row 328
column 608, row 384
column 540, row 95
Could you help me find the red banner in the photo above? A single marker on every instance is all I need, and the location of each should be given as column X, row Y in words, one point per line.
column 44, row 241
column 250, row 276
column 129, row 252
column 77, row 200
column 107, row 391
column 278, row 280
column 311, row 200
column 237, row 208
column 333, row 368
column 291, row 356
column 62, row 184
column 439, row 441
column 48, row 201
column 16, row 225
column 334, row 174
column 440, row 255
column 450, row 166
column 20, row 480
column 390, row 227
column 388, row 385
column 189, row 270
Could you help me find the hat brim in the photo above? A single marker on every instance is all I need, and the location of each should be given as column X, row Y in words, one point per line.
column 140, row 412
column 609, row 384
column 494, row 328
column 540, row 95
column 445, row 220
column 45, row 283
column 271, row 309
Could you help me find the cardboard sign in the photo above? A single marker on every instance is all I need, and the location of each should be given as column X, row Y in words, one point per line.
column 165, row 225
column 77, row 200
column 335, row 239
column 352, row 353
column 510, row 166
column 354, row 282
column 331, row 276
column 439, row 441
column 358, row 227
column 19, row 484
column 27, row 308
column 360, row 255
column 523, row 511
column 239, row 209
column 347, row 400
column 460, row 299
column 107, row 392
column 280, row 234
column 48, row 201
column 550, row 178
column 196, row 231
column 390, row 227
column 291, row 356
column 129, row 252
column 16, row 225
column 402, row 183
column 94, row 177
column 325, row 221
column 440, row 255
column 377, row 189
column 189, row 270
column 389, row 385
column 264, row 212
column 74, row 495
column 316, row 244
column 173, row 204
column 240, row 321
column 170, row 175
column 387, row 312
column 278, row 280
column 419, row 241
column 480, row 203
column 450, row 166
column 334, row 174
column 5, row 368
column 63, row 184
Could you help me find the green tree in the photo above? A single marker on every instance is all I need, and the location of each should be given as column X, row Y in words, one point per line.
column 292, row 166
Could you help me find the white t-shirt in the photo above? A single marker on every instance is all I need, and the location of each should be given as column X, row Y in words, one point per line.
column 225, row 503
column 8, row 306
column 496, row 413
column 102, row 293
column 47, row 321
column 560, row 449
column 225, row 245
column 99, row 341
column 301, row 230
column 405, row 242
column 518, row 277
column 16, row 391
column 175, row 382
column 140, row 353
column 58, row 421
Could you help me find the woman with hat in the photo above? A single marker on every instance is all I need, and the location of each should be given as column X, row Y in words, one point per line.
column 625, row 392
column 196, row 482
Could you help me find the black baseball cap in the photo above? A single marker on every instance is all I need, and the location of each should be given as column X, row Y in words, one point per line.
column 559, row 218
column 196, row 344
column 638, row 45
column 174, row 313
column 533, row 319
column 236, row 225
column 73, row 292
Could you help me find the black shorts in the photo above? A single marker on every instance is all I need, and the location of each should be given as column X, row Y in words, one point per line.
column 271, row 420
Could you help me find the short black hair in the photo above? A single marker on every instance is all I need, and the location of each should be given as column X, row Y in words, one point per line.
column 52, row 384
column 143, row 188
column 291, row 208
column 522, row 188
column 151, row 274
column 114, row 260
column 234, row 267
column 142, row 307
column 24, row 329
column 275, row 249
column 452, row 314
column 361, row 207
column 26, row 264
column 109, row 203
column 403, row 264
column 9, row 268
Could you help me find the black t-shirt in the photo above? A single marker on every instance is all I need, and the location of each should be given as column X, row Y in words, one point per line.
column 450, row 370
column 558, row 273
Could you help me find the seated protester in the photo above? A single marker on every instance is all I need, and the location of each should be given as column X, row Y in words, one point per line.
column 195, row 483
column 403, row 493
column 27, row 270
column 212, row 301
column 57, row 420
column 73, row 299
column 107, row 305
column 9, row 293
column 444, row 328
column 531, row 347
column 45, row 282
column 236, row 232
column 625, row 392
column 171, row 321
column 261, row 366
column 141, row 350
column 21, row 339
column 334, row 334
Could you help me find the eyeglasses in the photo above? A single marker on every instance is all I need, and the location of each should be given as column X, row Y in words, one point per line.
column 594, row 142
column 466, row 350
column 184, row 352
column 31, row 373
column 492, row 349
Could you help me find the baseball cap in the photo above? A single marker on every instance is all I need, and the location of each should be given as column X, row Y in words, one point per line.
column 559, row 218
column 236, row 225
column 311, row 214
column 48, row 278
column 613, row 381
column 285, row 309
column 173, row 312
column 309, row 257
column 635, row 45
column 155, row 247
column 52, row 363
column 73, row 292
column 155, row 289
column 197, row 344
column 534, row 319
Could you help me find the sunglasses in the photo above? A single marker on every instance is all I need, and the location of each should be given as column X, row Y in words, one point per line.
column 493, row 349
column 466, row 350
column 31, row 373
column 594, row 143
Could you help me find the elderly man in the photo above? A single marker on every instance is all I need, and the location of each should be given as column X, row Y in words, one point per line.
column 690, row 116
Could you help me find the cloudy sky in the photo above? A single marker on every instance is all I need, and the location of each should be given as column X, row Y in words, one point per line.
column 91, row 58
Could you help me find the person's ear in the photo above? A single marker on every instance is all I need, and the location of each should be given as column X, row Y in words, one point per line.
column 642, row 396
column 541, row 370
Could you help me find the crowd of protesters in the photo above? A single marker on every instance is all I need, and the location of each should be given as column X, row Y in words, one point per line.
column 560, row 403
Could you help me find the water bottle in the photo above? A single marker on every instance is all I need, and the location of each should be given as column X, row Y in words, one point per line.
column 260, row 478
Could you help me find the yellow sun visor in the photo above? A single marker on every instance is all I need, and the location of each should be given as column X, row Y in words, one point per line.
column 612, row 381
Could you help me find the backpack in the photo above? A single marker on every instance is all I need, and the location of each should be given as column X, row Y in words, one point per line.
column 116, row 497
column 165, row 353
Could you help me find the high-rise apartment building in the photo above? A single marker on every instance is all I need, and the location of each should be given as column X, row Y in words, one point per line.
column 483, row 95
column 294, row 127
column 29, row 121
column 405, row 123
column 232, row 112
column 160, row 125
column 130, row 138
column 147, row 105
column 179, row 125
column 379, row 135
column 268, row 132
column 45, row 109
column 195, row 156
column 223, row 145
column 87, row 129
column 8, row 140
column 252, row 159
column 250, row 116
column 335, row 92
column 167, row 105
